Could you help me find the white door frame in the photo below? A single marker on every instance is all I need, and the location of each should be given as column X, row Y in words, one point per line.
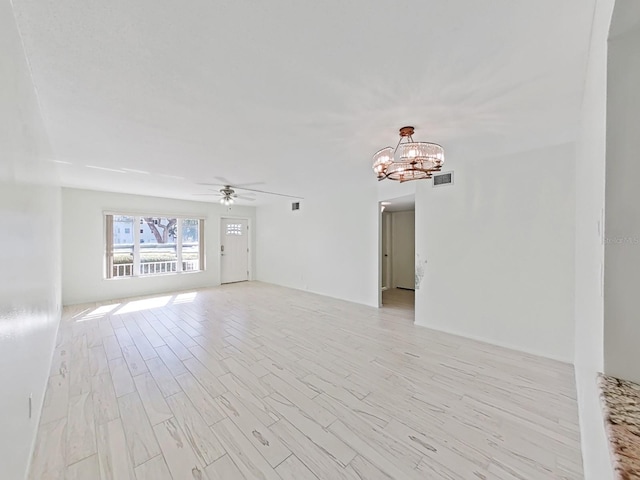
column 249, row 242
column 386, row 238
column 379, row 262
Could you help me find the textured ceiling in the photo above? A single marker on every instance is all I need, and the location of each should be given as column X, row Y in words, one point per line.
column 286, row 93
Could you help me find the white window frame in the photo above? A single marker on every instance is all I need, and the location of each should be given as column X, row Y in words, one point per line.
column 109, row 247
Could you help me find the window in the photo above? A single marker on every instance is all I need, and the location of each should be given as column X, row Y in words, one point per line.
column 159, row 254
column 121, row 247
column 234, row 229
column 190, row 245
column 163, row 245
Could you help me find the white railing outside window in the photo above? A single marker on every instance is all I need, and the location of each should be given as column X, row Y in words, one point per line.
column 123, row 270
column 190, row 265
column 154, row 268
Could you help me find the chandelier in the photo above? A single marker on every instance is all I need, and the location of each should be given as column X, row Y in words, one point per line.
column 409, row 160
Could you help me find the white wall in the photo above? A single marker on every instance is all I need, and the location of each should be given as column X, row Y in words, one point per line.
column 83, row 244
column 622, row 246
column 500, row 245
column 329, row 246
column 499, row 248
column 29, row 255
column 403, row 234
column 589, row 250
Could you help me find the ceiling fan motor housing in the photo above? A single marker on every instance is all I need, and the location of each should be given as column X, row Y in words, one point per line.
column 227, row 191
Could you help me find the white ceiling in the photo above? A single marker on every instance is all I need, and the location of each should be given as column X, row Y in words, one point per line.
column 287, row 92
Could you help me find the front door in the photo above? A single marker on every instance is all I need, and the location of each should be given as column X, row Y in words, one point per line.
column 234, row 250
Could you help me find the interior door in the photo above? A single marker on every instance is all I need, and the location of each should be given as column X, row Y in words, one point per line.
column 403, row 228
column 234, row 250
column 386, row 251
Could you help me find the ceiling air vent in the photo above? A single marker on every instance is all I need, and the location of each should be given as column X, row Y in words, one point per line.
column 443, row 179
column 295, row 206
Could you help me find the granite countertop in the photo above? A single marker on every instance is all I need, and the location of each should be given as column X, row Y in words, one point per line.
column 621, row 404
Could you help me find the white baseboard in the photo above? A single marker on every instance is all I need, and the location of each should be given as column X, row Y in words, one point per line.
column 491, row 341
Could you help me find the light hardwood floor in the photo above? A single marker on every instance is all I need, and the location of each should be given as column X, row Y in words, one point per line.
column 399, row 302
column 254, row 381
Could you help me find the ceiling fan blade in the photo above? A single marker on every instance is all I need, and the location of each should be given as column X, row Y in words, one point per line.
column 215, row 194
column 243, row 197
column 243, row 185
column 270, row 193
column 223, row 180
column 238, row 185
column 228, row 184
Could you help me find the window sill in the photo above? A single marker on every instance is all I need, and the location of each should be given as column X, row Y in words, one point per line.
column 151, row 275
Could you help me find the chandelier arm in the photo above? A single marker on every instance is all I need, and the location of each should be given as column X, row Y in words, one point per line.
column 396, row 149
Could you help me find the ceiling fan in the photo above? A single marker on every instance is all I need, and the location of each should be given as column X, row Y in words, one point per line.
column 228, row 193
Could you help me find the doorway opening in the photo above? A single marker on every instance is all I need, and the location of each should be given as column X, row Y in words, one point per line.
column 397, row 255
column 234, row 250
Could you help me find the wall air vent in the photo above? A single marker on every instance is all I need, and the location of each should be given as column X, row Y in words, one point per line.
column 442, row 179
column 295, row 206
